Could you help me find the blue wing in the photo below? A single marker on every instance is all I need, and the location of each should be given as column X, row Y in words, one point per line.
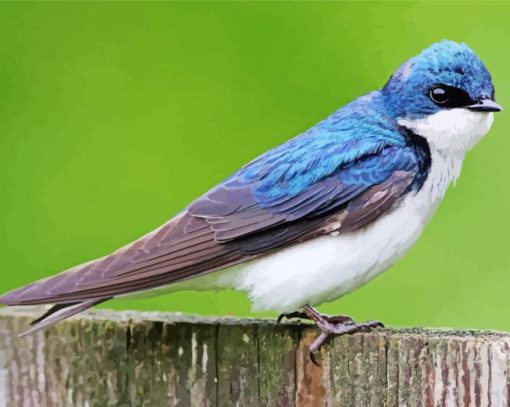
column 347, row 170
column 315, row 173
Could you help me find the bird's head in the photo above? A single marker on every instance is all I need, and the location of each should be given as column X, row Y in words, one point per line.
column 445, row 94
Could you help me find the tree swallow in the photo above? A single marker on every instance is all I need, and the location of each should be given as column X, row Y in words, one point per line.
column 314, row 218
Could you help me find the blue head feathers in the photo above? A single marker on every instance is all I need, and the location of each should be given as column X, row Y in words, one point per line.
column 419, row 86
column 363, row 143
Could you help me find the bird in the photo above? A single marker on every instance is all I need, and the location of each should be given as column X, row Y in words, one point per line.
column 314, row 218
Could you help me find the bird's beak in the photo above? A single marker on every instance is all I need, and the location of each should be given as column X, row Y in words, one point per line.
column 485, row 105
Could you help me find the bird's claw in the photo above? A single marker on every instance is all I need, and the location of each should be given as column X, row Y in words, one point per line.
column 345, row 328
column 313, row 359
column 329, row 325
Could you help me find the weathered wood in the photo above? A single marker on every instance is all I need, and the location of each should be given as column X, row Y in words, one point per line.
column 106, row 358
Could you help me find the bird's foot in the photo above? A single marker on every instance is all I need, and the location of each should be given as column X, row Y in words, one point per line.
column 329, row 325
column 311, row 314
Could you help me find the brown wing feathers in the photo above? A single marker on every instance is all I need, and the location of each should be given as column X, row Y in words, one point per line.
column 178, row 246
column 186, row 247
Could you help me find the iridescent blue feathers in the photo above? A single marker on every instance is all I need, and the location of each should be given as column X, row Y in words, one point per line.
column 445, row 62
column 338, row 177
column 356, row 148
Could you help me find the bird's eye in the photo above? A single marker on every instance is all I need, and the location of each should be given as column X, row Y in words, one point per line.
column 449, row 96
column 438, row 94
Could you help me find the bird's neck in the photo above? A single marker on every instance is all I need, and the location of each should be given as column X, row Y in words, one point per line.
column 449, row 135
column 444, row 170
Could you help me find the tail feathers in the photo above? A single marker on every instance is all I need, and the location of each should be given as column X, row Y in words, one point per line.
column 60, row 312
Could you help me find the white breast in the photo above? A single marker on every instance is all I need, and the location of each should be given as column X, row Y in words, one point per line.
column 330, row 266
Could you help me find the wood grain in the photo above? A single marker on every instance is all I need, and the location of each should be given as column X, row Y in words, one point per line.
column 106, row 358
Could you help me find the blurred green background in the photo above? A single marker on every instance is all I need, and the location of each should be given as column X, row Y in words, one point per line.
column 114, row 116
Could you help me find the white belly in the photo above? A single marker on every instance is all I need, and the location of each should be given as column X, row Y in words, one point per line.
column 329, row 267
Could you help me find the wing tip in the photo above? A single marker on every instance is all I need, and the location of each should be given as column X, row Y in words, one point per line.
column 21, row 295
column 8, row 298
column 58, row 313
column 16, row 297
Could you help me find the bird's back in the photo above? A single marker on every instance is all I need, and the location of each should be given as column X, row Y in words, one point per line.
column 354, row 164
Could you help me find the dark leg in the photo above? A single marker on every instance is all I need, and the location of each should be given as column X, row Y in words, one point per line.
column 329, row 325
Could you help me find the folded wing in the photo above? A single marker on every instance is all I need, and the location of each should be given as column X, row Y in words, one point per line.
column 319, row 182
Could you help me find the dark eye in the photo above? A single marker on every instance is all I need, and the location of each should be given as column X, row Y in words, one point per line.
column 449, row 96
column 438, row 94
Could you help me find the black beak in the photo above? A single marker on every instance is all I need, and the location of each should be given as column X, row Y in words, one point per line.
column 485, row 105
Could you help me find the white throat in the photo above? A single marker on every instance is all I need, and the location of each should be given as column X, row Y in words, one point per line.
column 328, row 267
column 451, row 132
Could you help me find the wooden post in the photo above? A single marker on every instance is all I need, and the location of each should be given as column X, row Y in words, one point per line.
column 107, row 358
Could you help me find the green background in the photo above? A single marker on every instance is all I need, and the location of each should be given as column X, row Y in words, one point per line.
column 114, row 116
